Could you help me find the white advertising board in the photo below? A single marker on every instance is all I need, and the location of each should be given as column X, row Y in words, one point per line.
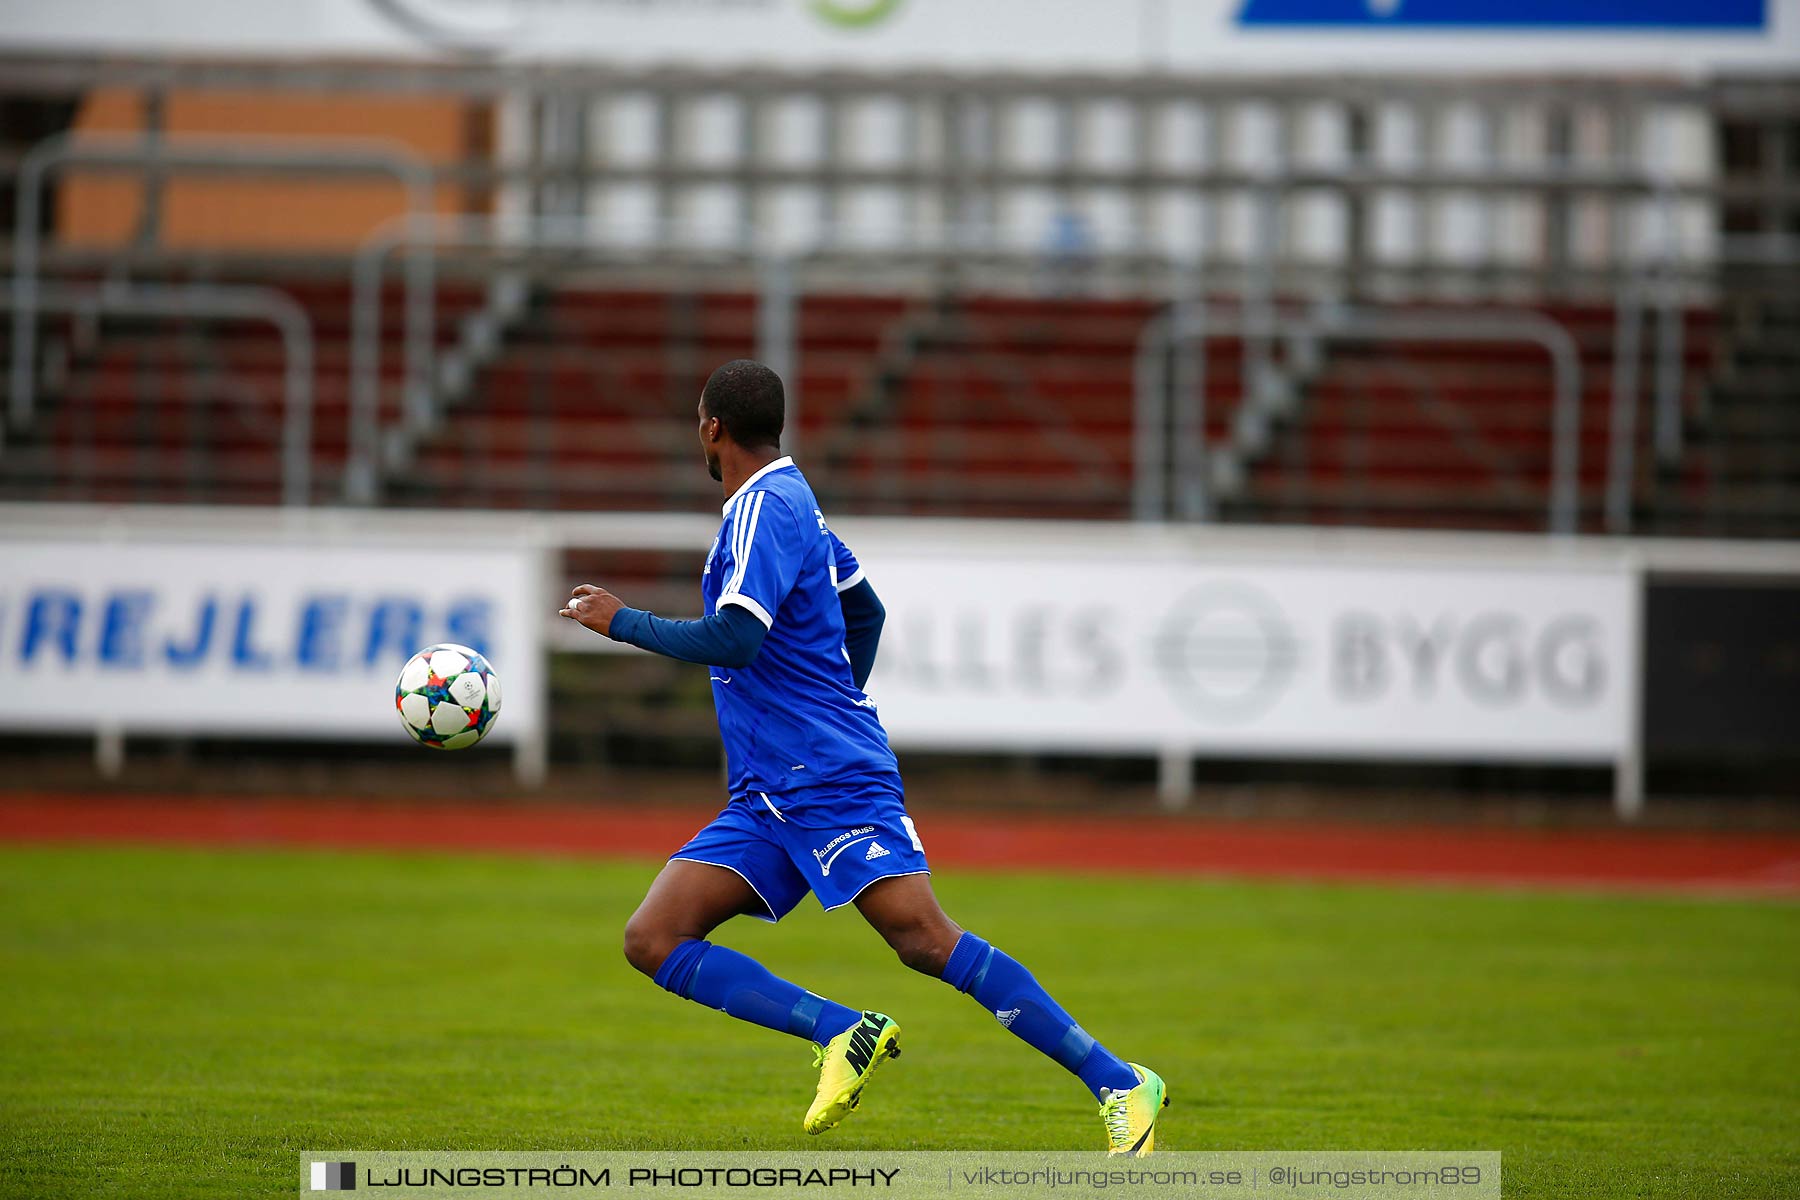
column 1397, row 661
column 296, row 639
column 1689, row 36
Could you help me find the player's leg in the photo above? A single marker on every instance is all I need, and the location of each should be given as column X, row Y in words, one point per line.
column 905, row 911
column 834, row 843
column 686, row 902
column 666, row 940
column 863, row 848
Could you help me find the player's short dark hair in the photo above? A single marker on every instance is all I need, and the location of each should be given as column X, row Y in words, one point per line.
column 748, row 400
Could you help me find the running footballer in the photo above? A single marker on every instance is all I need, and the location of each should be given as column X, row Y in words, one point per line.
column 816, row 802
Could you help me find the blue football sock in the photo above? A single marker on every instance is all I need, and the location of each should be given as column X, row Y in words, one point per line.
column 1007, row 990
column 739, row 985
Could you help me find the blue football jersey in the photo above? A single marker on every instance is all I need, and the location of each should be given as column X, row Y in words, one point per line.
column 794, row 718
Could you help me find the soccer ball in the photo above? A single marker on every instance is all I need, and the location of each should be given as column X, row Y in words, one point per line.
column 448, row 697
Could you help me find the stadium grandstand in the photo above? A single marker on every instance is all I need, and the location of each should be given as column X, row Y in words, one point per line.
column 971, row 267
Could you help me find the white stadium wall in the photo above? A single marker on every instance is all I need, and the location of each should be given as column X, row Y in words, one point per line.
column 1127, row 36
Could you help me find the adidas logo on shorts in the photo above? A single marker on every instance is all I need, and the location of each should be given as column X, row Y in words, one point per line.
column 876, row 850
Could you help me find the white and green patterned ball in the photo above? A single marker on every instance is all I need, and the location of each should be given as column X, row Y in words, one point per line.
column 448, row 697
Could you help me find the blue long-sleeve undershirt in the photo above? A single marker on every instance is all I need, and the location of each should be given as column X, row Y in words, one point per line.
column 732, row 637
column 863, row 618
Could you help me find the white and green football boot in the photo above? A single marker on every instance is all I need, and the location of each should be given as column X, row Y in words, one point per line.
column 1130, row 1115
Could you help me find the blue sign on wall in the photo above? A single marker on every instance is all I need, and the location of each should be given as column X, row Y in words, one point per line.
column 1720, row 15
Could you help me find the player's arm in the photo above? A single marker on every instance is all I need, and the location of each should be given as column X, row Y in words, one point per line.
column 863, row 613
column 731, row 637
column 863, row 619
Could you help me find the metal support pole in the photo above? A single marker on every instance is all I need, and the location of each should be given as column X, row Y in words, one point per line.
column 1259, row 292
column 1628, row 784
column 777, row 338
column 23, row 367
column 362, row 470
column 155, row 183
column 1669, row 322
column 531, row 753
column 1621, row 469
column 1175, row 777
column 1628, row 768
column 752, row 135
column 1193, row 462
column 1669, row 370
column 1150, row 419
column 421, row 335
column 109, row 751
column 297, row 415
column 1565, row 424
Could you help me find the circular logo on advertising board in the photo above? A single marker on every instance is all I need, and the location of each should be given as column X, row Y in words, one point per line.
column 471, row 26
column 854, row 14
column 486, row 26
column 1226, row 651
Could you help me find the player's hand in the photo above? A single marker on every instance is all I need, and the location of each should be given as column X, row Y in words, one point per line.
column 593, row 607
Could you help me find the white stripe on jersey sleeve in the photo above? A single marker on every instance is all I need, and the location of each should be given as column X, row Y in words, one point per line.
column 844, row 585
column 750, row 606
column 755, row 521
column 753, row 507
column 737, row 538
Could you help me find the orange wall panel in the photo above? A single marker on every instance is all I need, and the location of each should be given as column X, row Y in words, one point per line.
column 274, row 213
column 100, row 207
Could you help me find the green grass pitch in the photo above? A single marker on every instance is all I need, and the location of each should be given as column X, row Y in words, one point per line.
column 182, row 1022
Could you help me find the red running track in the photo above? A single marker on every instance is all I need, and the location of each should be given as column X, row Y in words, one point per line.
column 1611, row 859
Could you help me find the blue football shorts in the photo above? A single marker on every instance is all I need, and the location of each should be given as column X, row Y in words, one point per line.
column 825, row 841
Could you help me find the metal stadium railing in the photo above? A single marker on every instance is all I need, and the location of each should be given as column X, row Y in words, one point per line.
column 1294, row 198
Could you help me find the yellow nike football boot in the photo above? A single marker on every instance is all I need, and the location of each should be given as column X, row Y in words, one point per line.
column 1130, row 1116
column 845, row 1064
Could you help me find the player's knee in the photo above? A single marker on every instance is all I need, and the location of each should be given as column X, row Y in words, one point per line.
column 646, row 945
column 925, row 947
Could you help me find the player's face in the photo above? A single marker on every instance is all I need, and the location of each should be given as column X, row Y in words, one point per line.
column 707, row 444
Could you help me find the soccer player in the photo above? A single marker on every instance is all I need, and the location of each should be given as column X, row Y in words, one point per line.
column 816, row 802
